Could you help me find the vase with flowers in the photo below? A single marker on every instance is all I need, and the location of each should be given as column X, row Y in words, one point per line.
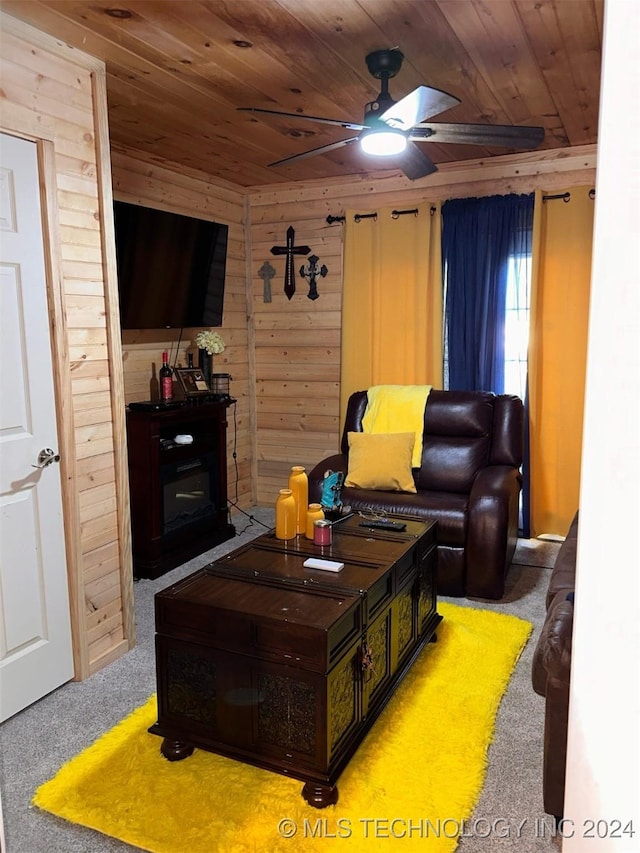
column 209, row 344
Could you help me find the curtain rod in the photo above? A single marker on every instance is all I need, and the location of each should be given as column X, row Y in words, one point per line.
column 395, row 214
column 566, row 197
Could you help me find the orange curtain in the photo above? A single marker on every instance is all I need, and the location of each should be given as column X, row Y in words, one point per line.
column 392, row 300
column 561, row 280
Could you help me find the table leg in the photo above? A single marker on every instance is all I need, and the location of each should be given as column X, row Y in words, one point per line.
column 175, row 750
column 320, row 796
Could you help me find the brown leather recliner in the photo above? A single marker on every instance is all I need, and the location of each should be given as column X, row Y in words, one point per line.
column 468, row 481
column 551, row 670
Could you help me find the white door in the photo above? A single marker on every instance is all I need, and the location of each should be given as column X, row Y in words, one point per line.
column 35, row 632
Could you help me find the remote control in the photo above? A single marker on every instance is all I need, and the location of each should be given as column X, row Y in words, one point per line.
column 326, row 565
column 385, row 524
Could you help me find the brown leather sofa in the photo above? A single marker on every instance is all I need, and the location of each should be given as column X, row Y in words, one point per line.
column 468, row 481
column 551, row 668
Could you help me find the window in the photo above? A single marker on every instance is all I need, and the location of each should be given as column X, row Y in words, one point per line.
column 516, row 325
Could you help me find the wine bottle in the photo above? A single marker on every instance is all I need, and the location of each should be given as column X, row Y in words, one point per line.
column 166, row 379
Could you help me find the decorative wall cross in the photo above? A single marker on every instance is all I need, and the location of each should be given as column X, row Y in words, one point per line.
column 290, row 250
column 266, row 273
column 311, row 271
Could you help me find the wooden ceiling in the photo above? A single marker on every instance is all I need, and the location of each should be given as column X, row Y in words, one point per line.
column 178, row 69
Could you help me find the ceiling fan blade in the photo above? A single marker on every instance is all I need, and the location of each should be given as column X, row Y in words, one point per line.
column 417, row 106
column 415, row 163
column 322, row 149
column 335, row 122
column 479, row 134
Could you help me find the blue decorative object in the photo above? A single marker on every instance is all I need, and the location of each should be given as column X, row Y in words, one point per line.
column 331, row 498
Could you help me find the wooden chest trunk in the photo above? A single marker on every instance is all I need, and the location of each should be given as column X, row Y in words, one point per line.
column 284, row 667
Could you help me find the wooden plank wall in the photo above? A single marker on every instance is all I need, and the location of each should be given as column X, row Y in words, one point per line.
column 297, row 342
column 56, row 96
column 158, row 185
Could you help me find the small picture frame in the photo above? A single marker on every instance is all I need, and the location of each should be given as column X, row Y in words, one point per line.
column 192, row 381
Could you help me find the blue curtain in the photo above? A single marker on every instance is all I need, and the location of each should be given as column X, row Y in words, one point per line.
column 479, row 235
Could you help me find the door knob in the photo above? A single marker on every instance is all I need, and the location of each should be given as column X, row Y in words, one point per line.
column 46, row 457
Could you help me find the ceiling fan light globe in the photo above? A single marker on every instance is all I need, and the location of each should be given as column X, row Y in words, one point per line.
column 383, row 143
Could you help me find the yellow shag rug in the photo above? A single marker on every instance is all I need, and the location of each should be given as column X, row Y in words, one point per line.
column 411, row 785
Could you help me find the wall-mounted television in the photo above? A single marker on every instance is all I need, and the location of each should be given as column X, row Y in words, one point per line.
column 171, row 268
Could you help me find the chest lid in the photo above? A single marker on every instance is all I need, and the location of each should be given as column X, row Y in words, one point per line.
column 253, row 616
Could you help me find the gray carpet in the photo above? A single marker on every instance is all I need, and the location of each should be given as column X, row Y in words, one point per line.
column 34, row 743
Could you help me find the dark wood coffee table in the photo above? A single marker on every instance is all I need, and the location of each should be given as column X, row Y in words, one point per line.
column 263, row 660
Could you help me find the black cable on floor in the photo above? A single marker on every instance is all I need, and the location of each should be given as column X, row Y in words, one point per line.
column 252, row 519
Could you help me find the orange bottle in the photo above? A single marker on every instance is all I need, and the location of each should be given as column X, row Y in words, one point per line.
column 299, row 485
column 285, row 515
column 314, row 513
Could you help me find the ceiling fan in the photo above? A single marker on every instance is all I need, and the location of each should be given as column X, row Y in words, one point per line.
column 391, row 128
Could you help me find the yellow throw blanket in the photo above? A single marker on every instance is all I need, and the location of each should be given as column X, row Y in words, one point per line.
column 397, row 408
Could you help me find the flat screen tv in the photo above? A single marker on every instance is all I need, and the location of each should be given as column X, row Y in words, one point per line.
column 171, row 268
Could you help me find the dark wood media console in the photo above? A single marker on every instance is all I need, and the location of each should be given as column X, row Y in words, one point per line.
column 178, row 492
column 274, row 664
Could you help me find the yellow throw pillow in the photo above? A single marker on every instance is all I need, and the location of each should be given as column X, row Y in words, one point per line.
column 381, row 461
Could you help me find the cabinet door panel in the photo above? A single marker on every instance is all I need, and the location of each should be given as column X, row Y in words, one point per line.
column 405, row 622
column 426, row 590
column 343, row 702
column 376, row 660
